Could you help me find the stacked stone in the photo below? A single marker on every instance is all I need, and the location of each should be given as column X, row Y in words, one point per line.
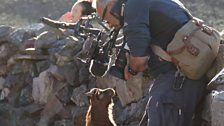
column 42, row 83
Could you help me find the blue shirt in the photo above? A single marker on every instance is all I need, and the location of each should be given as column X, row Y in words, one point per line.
column 152, row 21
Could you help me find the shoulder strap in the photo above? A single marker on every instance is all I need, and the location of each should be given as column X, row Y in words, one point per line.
column 158, row 50
column 161, row 53
column 181, row 5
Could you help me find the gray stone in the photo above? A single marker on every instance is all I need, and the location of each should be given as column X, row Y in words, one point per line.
column 6, row 51
column 127, row 91
column 217, row 108
column 4, row 93
column 79, row 115
column 63, row 123
column 20, row 35
column 15, row 83
column 64, row 94
column 42, row 65
column 54, row 70
column 70, row 73
column 26, row 96
column 217, row 82
column 45, row 40
column 79, row 97
column 4, row 32
column 42, row 87
column 134, row 111
column 53, row 108
column 83, row 75
column 218, row 63
column 2, row 81
column 35, row 27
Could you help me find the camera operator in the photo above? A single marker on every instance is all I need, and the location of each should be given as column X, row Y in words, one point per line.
column 79, row 9
column 172, row 97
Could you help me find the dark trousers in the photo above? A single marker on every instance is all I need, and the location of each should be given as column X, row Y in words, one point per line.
column 169, row 106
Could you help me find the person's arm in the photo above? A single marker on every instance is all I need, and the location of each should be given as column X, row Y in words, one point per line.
column 138, row 37
column 135, row 65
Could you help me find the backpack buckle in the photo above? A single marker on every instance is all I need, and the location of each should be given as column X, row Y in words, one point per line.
column 179, row 80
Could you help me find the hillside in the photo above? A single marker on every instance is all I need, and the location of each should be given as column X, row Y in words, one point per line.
column 23, row 12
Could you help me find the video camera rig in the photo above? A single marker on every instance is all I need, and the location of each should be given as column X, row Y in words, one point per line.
column 99, row 47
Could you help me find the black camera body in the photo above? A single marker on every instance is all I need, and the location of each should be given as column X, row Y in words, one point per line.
column 103, row 56
column 102, row 59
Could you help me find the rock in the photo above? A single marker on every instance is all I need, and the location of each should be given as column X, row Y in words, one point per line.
column 83, row 75
column 25, row 97
column 79, row 115
column 217, row 108
column 15, row 116
column 4, row 93
column 15, row 83
column 61, row 60
column 131, row 114
column 31, row 57
column 65, row 94
column 63, row 123
column 70, row 73
column 33, row 110
column 79, row 97
column 6, row 51
column 3, row 70
column 42, row 87
column 52, row 108
column 20, row 35
column 29, row 43
column 45, row 40
column 4, row 122
column 217, row 82
column 127, row 91
column 218, row 63
column 4, row 33
column 37, row 28
column 42, row 65
column 54, row 70
column 2, row 81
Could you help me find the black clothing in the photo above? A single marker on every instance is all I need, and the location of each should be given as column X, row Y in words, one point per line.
column 156, row 22
column 152, row 21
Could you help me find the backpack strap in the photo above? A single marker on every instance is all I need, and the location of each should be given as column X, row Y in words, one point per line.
column 163, row 54
column 181, row 5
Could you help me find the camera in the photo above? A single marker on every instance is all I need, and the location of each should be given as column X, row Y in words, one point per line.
column 103, row 55
column 99, row 48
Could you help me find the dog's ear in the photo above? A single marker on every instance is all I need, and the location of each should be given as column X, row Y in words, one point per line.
column 92, row 92
column 111, row 92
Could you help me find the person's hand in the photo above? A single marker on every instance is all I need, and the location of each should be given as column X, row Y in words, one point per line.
column 127, row 75
column 136, row 64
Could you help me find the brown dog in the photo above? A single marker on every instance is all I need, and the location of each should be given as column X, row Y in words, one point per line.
column 100, row 109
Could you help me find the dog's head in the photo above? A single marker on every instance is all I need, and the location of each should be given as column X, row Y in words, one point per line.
column 101, row 96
